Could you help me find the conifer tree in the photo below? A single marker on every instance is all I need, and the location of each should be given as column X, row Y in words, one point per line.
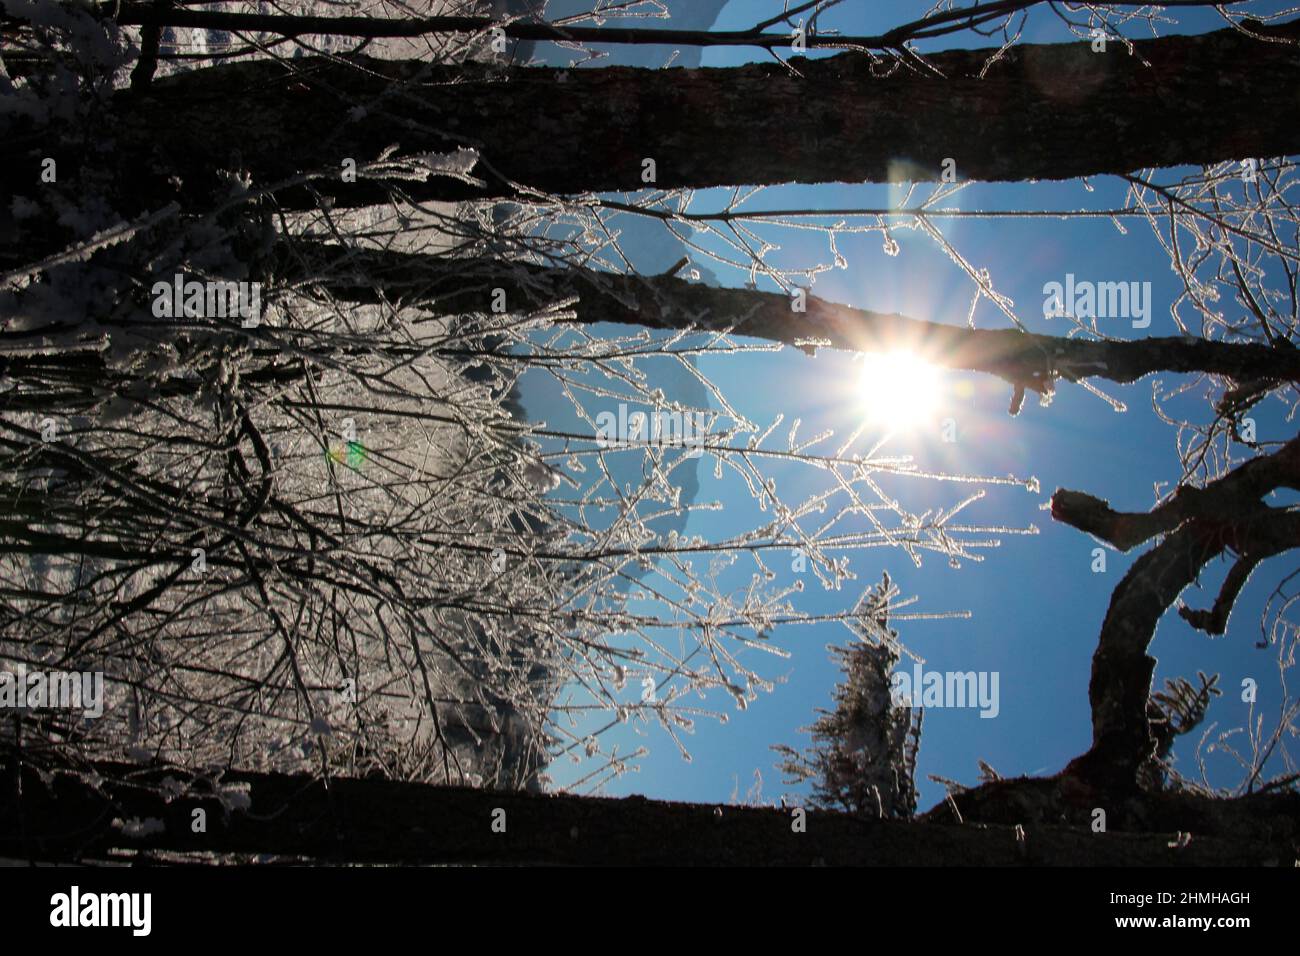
column 863, row 753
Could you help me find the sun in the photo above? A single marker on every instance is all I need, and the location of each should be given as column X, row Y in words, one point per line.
column 898, row 390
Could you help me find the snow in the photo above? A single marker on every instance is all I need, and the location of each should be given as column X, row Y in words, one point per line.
column 138, row 829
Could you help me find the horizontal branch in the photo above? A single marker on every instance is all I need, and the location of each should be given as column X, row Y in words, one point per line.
column 1026, row 360
column 1029, row 112
column 142, row 14
column 1232, row 494
column 139, row 13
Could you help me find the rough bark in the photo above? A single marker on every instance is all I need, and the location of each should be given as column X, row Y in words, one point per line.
column 388, row 822
column 1051, row 111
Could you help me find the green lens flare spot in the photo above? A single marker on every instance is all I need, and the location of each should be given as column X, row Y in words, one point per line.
column 354, row 455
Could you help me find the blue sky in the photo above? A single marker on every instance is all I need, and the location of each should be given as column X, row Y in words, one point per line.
column 1035, row 604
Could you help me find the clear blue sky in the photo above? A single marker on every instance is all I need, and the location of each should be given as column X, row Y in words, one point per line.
column 1035, row 604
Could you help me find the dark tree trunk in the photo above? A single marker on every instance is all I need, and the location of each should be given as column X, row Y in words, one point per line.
column 1041, row 111
column 383, row 821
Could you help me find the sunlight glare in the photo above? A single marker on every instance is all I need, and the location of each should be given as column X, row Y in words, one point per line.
column 898, row 390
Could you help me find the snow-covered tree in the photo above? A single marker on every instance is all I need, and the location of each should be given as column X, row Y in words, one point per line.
column 863, row 753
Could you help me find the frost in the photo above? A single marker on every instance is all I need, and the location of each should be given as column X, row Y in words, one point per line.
column 604, row 552
column 116, row 409
column 459, row 163
column 137, row 829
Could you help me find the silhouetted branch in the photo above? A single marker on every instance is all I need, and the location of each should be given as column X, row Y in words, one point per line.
column 1199, row 525
column 1033, row 361
column 942, row 24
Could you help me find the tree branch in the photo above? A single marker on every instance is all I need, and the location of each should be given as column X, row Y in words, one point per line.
column 139, row 13
column 1215, row 620
column 1200, row 524
column 1026, row 360
column 581, row 131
